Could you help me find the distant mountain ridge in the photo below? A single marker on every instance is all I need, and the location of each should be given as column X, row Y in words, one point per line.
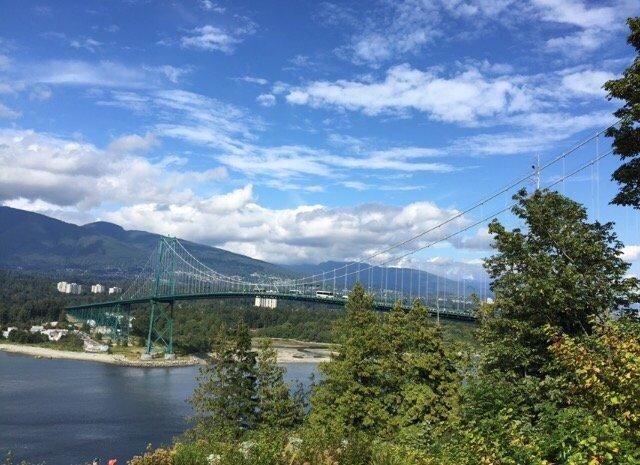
column 34, row 242
column 407, row 280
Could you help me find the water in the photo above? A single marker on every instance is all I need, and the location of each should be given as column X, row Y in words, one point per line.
column 67, row 412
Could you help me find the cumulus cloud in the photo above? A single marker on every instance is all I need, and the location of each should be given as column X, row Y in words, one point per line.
column 469, row 98
column 631, row 253
column 461, row 98
column 308, row 233
column 481, row 240
column 41, row 167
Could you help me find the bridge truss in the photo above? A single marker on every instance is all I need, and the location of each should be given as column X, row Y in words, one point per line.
column 172, row 274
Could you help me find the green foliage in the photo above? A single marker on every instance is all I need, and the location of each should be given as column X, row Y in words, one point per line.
column 153, row 457
column 27, row 300
column 561, row 271
column 626, row 137
column 225, row 400
column 70, row 342
column 277, row 409
column 601, row 373
column 391, row 375
column 26, row 337
column 240, row 391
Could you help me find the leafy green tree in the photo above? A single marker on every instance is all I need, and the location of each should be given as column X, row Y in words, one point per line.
column 226, row 398
column 391, row 374
column 277, row 408
column 626, row 137
column 560, row 271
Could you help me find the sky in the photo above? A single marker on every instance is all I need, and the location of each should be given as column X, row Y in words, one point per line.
column 307, row 131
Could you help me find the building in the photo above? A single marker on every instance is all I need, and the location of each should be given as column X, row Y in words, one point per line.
column 69, row 288
column 97, row 289
column 6, row 333
column 115, row 290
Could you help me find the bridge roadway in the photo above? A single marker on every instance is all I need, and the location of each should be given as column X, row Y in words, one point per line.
column 335, row 301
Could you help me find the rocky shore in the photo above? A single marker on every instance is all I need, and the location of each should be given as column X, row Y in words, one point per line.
column 292, row 352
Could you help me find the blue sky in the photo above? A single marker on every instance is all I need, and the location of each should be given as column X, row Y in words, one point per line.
column 305, row 131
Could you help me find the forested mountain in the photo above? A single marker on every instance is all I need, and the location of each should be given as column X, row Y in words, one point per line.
column 37, row 243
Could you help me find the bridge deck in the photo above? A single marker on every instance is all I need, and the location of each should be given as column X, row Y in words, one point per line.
column 334, row 301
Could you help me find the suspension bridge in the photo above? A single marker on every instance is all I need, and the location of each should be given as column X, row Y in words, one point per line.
column 173, row 274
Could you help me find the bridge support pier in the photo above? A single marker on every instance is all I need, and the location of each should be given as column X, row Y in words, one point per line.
column 160, row 329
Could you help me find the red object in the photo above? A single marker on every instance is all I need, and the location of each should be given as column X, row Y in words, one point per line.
column 112, row 462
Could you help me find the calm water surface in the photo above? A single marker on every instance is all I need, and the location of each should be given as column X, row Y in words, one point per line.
column 67, row 412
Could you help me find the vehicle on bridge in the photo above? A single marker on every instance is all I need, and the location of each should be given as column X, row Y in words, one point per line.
column 325, row 294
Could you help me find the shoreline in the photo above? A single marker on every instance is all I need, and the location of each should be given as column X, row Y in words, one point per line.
column 286, row 354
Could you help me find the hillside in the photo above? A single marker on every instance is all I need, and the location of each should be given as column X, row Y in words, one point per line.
column 37, row 243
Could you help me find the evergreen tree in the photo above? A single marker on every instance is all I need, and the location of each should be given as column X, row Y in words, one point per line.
column 276, row 406
column 561, row 271
column 391, row 374
column 626, row 138
column 226, row 398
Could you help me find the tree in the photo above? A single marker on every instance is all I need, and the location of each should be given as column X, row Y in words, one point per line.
column 226, row 399
column 391, row 374
column 561, row 271
column 277, row 408
column 626, row 138
column 601, row 373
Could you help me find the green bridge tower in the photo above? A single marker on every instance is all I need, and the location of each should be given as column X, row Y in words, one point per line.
column 161, row 313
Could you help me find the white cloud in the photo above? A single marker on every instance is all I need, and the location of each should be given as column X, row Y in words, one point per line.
column 595, row 23
column 631, row 253
column 6, row 112
column 82, row 73
column 576, row 13
column 389, row 30
column 86, row 43
column 253, row 80
column 266, row 100
column 40, row 167
column 208, row 5
column 481, row 240
column 465, row 97
column 588, row 82
column 133, row 143
column 309, row 233
column 40, row 93
column 470, row 98
column 173, row 73
column 212, row 38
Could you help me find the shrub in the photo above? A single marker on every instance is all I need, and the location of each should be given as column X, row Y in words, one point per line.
column 153, row 457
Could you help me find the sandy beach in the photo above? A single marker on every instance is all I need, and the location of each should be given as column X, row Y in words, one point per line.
column 288, row 352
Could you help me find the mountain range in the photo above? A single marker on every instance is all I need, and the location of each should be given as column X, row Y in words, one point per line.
column 36, row 243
